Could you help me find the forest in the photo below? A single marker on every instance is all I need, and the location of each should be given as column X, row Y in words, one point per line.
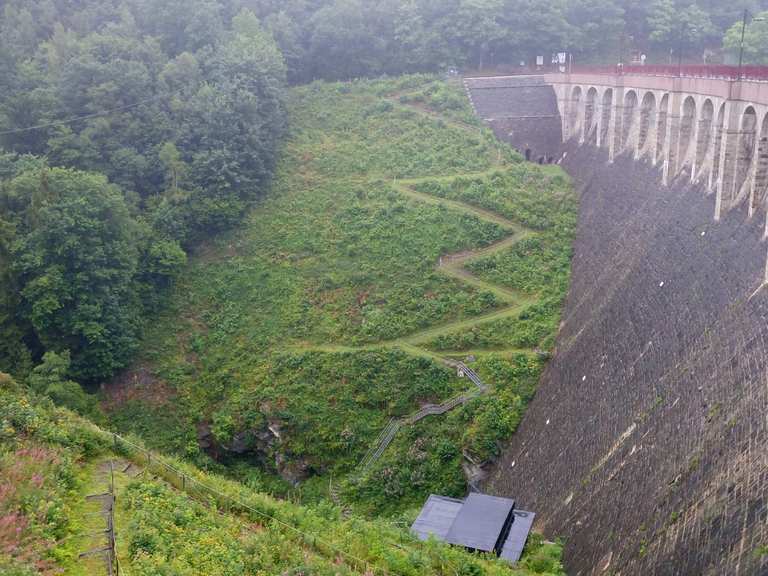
column 168, row 117
column 249, row 234
column 174, row 135
column 285, row 343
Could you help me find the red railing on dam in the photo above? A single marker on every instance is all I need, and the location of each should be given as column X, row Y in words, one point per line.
column 753, row 73
column 718, row 72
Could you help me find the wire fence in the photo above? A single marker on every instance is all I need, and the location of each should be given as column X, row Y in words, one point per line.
column 106, row 549
column 209, row 495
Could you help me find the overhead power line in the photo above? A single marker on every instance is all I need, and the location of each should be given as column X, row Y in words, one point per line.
column 84, row 117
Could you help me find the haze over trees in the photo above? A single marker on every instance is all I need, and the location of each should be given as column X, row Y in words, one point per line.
column 755, row 39
column 338, row 256
column 342, row 39
column 167, row 117
column 176, row 132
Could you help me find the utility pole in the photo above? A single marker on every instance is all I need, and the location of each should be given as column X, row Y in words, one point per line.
column 746, row 15
column 683, row 26
column 621, row 52
column 741, row 43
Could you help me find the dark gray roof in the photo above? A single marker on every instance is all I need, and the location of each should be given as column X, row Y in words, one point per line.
column 436, row 517
column 518, row 534
column 480, row 522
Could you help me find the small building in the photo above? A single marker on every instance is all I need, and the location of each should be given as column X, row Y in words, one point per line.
column 479, row 523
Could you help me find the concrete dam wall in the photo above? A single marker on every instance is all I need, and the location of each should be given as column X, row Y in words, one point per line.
column 532, row 122
column 646, row 446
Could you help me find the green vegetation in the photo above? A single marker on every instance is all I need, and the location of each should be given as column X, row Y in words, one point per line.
column 270, row 337
column 538, row 264
column 531, row 328
column 427, row 458
column 120, row 148
column 49, row 378
column 354, row 393
column 211, row 543
column 760, row 551
column 755, row 36
column 51, row 459
column 343, row 39
column 534, row 198
column 40, row 451
column 171, row 114
column 289, row 344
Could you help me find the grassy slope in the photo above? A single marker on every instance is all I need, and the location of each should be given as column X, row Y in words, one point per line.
column 50, row 460
column 320, row 317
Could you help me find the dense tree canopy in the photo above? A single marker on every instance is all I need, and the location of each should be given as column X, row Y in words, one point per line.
column 755, row 39
column 131, row 129
column 349, row 38
column 75, row 256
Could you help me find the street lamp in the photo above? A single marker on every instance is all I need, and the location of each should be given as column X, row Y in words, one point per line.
column 744, row 29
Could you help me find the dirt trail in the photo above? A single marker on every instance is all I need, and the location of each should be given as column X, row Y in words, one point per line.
column 453, row 265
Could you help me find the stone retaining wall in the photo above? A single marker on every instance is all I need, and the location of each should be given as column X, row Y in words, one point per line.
column 521, row 110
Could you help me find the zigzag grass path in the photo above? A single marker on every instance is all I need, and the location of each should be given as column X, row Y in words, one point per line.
column 453, row 266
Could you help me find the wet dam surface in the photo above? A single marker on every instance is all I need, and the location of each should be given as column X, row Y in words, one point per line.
column 645, row 447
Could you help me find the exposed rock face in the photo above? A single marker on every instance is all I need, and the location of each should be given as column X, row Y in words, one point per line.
column 262, row 445
column 474, row 472
column 646, row 446
column 293, row 470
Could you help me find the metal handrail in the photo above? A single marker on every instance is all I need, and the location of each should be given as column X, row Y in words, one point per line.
column 388, row 433
column 721, row 72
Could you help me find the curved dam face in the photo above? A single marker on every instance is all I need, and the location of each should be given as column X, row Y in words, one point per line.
column 646, row 446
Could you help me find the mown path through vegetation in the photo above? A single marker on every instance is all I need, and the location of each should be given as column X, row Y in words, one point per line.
column 453, row 266
column 399, row 238
column 91, row 508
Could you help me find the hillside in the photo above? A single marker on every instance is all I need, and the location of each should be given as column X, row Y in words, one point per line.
column 173, row 519
column 398, row 234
